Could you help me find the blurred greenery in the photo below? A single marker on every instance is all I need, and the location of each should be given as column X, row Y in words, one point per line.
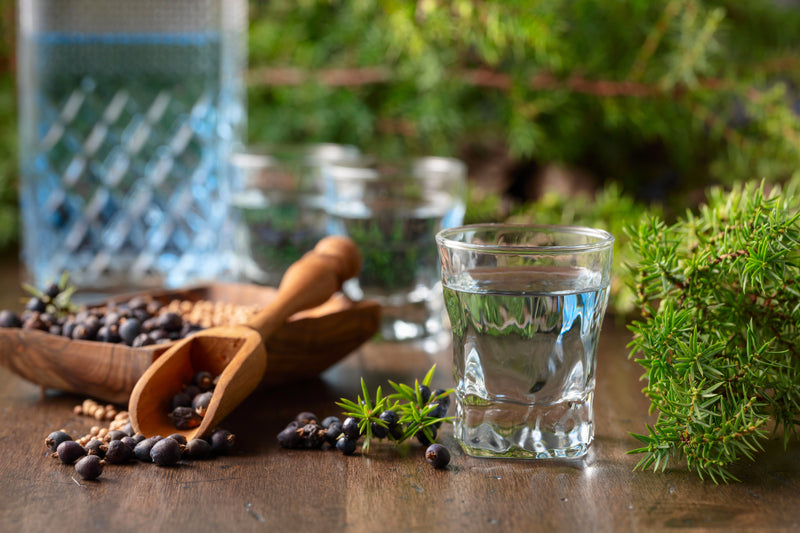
column 662, row 97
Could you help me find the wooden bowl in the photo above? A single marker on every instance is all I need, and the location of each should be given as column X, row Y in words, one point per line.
column 306, row 345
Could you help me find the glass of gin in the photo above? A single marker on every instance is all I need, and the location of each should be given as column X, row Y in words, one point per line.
column 526, row 305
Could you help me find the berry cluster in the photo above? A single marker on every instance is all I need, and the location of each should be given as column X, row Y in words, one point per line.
column 306, row 432
column 123, row 446
column 410, row 412
column 189, row 406
column 140, row 321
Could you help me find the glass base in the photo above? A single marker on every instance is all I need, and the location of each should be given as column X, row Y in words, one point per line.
column 524, row 431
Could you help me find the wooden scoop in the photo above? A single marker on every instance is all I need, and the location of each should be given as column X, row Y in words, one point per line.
column 237, row 354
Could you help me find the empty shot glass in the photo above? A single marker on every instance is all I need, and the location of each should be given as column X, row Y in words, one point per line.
column 278, row 206
column 526, row 305
column 393, row 212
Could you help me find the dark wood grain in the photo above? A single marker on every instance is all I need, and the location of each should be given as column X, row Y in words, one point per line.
column 261, row 487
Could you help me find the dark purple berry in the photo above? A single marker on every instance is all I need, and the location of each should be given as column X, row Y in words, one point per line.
column 330, row 420
column 142, row 339
column 89, row 467
column 129, row 330
column 392, row 420
column 142, row 450
column 83, row 332
column 127, row 429
column 69, row 451
column 54, row 439
column 423, row 438
column 192, row 391
column 114, row 434
column 390, row 417
column 137, row 438
column 332, row 433
column 178, row 437
column 313, row 436
column 201, row 402
column 221, row 441
column 290, row 437
column 350, row 428
column 68, row 328
column 36, row 304
column 128, row 441
column 425, row 393
column 185, row 418
column 306, row 417
column 170, row 321
column 188, row 328
column 346, row 446
column 197, row 449
column 204, row 380
column 166, row 452
column 9, row 319
column 378, row 431
column 180, row 400
column 108, row 334
column 118, row 452
column 437, row 455
column 52, row 290
column 96, row 447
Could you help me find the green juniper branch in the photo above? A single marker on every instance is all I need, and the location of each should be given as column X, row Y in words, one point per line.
column 718, row 335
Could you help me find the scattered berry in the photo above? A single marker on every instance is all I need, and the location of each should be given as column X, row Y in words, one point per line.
column 115, row 434
column 290, row 437
column 89, row 467
column 306, row 418
column 69, row 451
column 328, row 421
column 346, row 446
column 313, row 436
column 54, row 439
column 332, row 433
column 142, row 450
column 118, row 452
column 197, row 449
column 437, row 455
column 96, row 447
column 178, row 437
column 165, row 452
column 221, row 441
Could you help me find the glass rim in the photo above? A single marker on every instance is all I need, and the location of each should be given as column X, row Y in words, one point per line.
column 414, row 169
column 604, row 238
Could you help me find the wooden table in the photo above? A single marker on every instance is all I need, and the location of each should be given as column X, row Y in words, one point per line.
column 263, row 487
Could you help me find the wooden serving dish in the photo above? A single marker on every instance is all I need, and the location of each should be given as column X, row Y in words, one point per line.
column 307, row 344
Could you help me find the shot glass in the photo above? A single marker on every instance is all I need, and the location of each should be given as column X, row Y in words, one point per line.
column 278, row 206
column 393, row 212
column 526, row 305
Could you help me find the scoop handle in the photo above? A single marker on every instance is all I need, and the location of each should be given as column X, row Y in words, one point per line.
column 310, row 282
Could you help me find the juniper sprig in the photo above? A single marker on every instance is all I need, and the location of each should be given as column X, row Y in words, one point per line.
column 719, row 337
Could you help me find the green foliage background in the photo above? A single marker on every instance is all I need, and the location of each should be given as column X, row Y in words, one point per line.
column 661, row 96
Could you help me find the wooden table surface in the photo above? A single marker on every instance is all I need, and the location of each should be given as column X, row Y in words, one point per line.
column 261, row 487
